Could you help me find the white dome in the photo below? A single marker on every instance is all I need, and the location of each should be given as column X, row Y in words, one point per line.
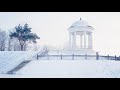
column 80, row 23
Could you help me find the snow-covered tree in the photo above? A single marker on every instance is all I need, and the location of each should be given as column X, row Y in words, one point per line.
column 24, row 36
column 9, row 41
column 3, row 38
column 9, row 45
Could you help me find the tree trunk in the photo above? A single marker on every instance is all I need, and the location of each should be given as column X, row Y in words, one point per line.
column 2, row 48
column 22, row 49
column 9, row 45
column 21, row 45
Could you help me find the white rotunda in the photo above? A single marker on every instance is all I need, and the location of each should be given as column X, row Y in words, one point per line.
column 82, row 29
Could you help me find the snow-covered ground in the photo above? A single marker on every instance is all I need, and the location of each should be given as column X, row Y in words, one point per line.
column 56, row 68
column 68, row 69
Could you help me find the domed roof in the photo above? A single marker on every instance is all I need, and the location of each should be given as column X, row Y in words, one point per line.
column 80, row 23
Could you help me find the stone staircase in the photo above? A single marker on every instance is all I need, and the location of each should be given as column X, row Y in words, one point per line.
column 22, row 64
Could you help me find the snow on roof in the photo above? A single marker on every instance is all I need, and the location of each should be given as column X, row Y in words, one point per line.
column 80, row 23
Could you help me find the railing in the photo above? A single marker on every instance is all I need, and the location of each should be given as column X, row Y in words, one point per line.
column 76, row 57
column 42, row 53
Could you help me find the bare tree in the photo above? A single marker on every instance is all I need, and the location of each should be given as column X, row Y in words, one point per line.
column 9, row 45
column 16, row 45
column 35, row 47
column 3, row 38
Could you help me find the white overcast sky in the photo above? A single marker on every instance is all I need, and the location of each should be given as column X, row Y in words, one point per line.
column 52, row 27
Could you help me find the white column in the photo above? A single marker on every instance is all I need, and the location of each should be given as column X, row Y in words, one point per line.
column 69, row 40
column 74, row 41
column 84, row 40
column 90, row 41
column 81, row 41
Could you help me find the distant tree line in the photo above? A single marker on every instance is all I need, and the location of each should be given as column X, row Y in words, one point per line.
column 17, row 39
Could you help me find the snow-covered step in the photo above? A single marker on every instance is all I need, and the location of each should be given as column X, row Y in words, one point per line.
column 10, row 59
column 22, row 64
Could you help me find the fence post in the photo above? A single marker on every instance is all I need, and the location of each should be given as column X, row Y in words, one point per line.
column 108, row 56
column 73, row 57
column 48, row 56
column 115, row 57
column 97, row 56
column 85, row 56
column 37, row 56
column 61, row 56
